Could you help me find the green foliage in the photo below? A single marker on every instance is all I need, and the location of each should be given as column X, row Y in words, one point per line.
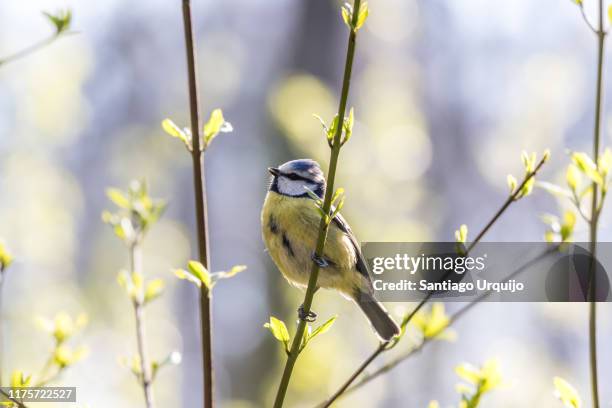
column 530, row 165
column 560, row 230
column 173, row 130
column 330, row 132
column 136, row 213
column 279, row 330
column 6, row 259
column 433, row 323
column 347, row 15
column 61, row 20
column 337, row 203
column 311, row 334
column 134, row 364
column 137, row 290
column 19, row 379
column 65, row 356
column 566, row 393
column 461, row 236
column 173, row 358
column 580, row 176
column 216, row 124
column 63, row 328
column 478, row 382
column 197, row 274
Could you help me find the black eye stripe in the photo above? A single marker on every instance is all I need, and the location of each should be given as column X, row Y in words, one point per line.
column 294, row 176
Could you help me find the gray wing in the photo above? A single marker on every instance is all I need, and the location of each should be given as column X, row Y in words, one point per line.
column 362, row 266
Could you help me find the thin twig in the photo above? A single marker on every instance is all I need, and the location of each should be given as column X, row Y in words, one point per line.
column 199, row 182
column 13, row 400
column 327, row 202
column 383, row 346
column 601, row 36
column 586, row 19
column 145, row 367
column 33, row 48
column 453, row 319
column 1, row 324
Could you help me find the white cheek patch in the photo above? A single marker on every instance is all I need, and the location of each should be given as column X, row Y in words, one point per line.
column 293, row 187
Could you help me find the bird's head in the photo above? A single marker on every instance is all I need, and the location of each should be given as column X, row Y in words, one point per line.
column 294, row 177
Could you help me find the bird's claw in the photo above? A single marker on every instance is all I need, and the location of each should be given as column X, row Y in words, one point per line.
column 306, row 317
column 322, row 262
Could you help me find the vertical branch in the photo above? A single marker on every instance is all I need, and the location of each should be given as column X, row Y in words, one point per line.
column 145, row 367
column 323, row 225
column 200, row 204
column 1, row 325
column 601, row 36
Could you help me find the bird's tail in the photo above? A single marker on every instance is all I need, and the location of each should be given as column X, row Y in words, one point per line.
column 384, row 325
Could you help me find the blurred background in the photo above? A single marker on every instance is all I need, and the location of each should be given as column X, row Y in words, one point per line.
column 446, row 96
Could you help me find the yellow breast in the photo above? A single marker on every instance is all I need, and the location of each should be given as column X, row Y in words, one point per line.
column 290, row 228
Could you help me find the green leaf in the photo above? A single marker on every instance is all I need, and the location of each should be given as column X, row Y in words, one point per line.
column 173, row 130
column 227, row 274
column 347, row 15
column 279, row 331
column 554, row 189
column 527, row 188
column 61, row 20
column 154, row 289
column 337, row 194
column 323, row 328
column 512, row 183
column 118, row 197
column 572, row 177
column 215, row 125
column 199, row 271
column 604, row 163
column 566, row 393
column 586, row 165
column 468, row 373
column 461, row 234
column 314, row 196
column 364, row 11
column 6, row 259
column 348, row 126
column 183, row 274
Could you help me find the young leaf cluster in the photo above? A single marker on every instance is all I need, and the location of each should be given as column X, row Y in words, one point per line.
column 216, row 124
column 560, row 230
column 478, row 382
column 581, row 174
column 278, row 328
column 6, row 259
column 347, row 128
column 62, row 328
column 566, row 393
column 137, row 289
column 337, row 203
column 197, row 274
column 530, row 164
column 136, row 212
column 61, row 20
column 134, row 364
column 349, row 18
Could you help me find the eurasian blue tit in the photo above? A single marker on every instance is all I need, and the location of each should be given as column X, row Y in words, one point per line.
column 290, row 226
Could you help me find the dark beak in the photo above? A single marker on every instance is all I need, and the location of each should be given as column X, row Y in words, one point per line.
column 274, row 171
